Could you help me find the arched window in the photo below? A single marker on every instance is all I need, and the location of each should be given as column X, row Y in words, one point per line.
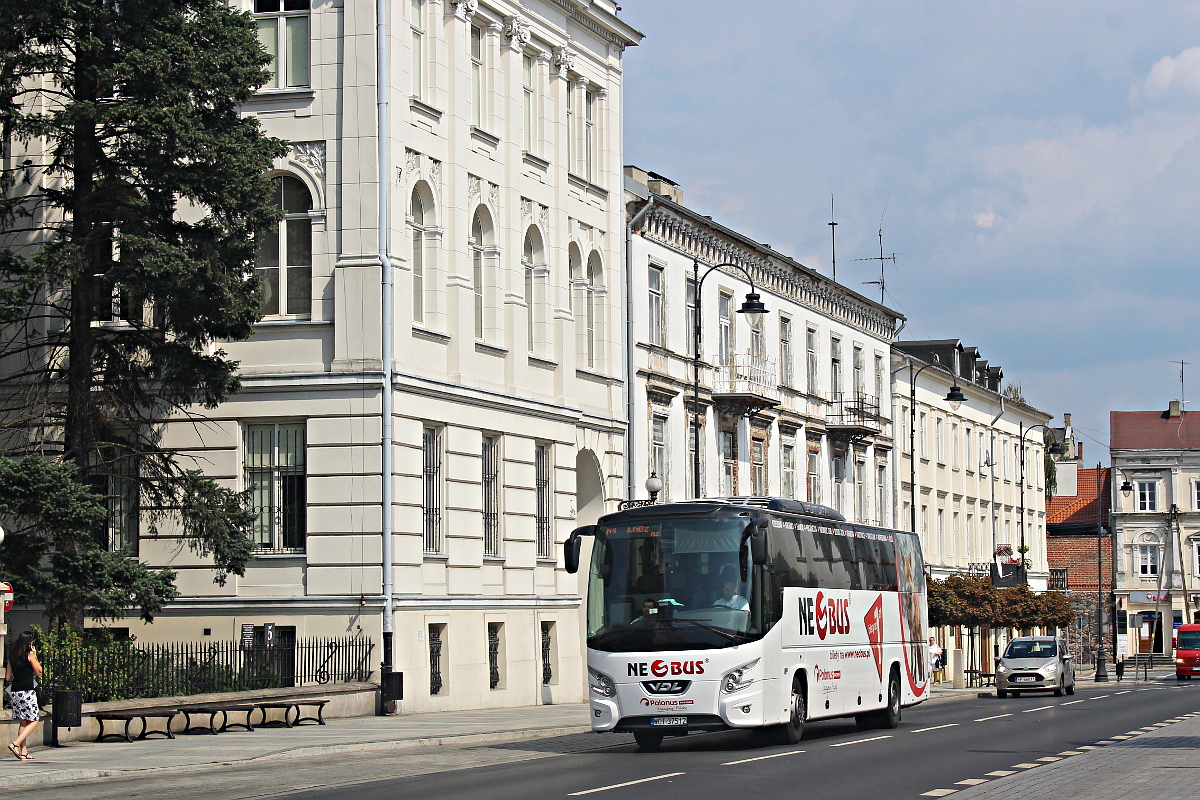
column 531, row 257
column 284, row 259
column 417, row 224
column 593, row 308
column 481, row 233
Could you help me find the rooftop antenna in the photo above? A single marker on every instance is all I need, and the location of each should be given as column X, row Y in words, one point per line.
column 881, row 258
column 1182, row 393
column 833, row 236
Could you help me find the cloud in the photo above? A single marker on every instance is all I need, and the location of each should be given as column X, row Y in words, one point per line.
column 1174, row 77
column 985, row 219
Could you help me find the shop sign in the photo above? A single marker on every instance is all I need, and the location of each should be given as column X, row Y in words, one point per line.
column 1149, row 597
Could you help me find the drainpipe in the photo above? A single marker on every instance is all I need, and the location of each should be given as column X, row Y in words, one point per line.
column 630, row 410
column 385, row 267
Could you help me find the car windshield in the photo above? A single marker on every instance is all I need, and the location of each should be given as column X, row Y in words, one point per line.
column 1030, row 649
column 671, row 584
column 1188, row 640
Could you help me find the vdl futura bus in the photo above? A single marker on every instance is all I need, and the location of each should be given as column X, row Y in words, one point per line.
column 750, row 613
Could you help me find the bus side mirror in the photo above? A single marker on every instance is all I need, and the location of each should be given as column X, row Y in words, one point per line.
column 573, row 545
column 758, row 542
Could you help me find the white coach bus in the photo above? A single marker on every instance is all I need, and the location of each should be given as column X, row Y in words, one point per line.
column 749, row 613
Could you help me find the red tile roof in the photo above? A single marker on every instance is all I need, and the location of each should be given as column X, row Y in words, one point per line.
column 1081, row 508
column 1153, row 430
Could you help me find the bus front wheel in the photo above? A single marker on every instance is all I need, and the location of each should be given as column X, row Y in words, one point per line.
column 890, row 716
column 792, row 731
column 648, row 740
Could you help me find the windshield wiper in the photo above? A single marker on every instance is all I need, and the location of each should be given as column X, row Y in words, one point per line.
column 733, row 637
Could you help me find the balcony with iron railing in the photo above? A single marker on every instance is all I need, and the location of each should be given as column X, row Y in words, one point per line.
column 746, row 384
column 855, row 413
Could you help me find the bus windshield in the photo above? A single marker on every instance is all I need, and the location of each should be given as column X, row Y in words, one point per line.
column 671, row 584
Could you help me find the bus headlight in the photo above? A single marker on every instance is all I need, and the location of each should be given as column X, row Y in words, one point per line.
column 735, row 680
column 601, row 684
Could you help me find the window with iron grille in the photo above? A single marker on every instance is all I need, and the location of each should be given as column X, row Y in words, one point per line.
column 431, row 487
column 547, row 651
column 542, row 499
column 1058, row 579
column 493, row 644
column 491, row 495
column 275, row 472
column 114, row 477
column 436, row 643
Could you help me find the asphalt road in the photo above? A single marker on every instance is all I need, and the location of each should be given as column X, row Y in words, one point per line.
column 947, row 745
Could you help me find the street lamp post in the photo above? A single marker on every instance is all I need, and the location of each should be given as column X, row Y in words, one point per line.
column 1101, row 668
column 1055, row 449
column 955, row 397
column 752, row 307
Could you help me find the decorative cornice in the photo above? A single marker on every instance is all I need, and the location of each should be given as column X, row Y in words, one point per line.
column 563, row 61
column 517, row 32
column 464, row 9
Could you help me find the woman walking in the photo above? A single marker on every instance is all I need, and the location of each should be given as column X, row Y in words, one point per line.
column 21, row 673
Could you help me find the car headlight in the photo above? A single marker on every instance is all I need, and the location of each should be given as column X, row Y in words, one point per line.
column 601, row 684
column 1003, row 670
column 735, row 680
column 1050, row 669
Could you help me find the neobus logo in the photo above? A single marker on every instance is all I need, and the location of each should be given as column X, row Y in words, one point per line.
column 660, row 669
column 824, row 616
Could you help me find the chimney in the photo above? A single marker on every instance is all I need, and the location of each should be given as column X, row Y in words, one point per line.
column 1173, row 410
column 1079, row 450
column 1067, row 420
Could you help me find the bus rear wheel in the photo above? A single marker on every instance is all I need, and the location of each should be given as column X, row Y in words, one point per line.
column 792, row 731
column 649, row 741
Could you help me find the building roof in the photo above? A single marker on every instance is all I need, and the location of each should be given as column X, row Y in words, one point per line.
column 1154, row 430
column 1080, row 509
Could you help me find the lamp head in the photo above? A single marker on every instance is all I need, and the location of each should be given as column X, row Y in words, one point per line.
column 753, row 306
column 1056, row 448
column 654, row 484
column 955, row 397
column 1127, row 488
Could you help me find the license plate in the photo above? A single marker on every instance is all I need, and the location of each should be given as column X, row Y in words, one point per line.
column 668, row 721
column 1025, row 679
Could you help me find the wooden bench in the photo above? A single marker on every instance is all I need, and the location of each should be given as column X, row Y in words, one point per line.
column 212, row 712
column 128, row 717
column 289, row 707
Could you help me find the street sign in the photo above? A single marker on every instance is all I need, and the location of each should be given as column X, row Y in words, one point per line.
column 247, row 635
column 6, row 591
column 269, row 634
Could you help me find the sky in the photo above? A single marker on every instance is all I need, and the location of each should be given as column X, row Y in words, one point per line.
column 1034, row 166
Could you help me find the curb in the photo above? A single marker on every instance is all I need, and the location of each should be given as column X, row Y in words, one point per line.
column 66, row 775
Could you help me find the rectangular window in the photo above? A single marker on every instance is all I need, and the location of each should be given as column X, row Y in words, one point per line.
column 691, row 464
column 658, row 450
column 937, row 431
column 541, row 469
column 549, row 653
column 495, row 644
column 953, row 544
column 812, row 354
column 657, row 321
column 1148, row 560
column 528, row 112
column 837, row 470
column 589, row 134
column 968, row 450
column 570, row 123
column 787, row 470
column 690, row 302
column 477, row 76
column 881, row 494
column 491, row 495
column 275, row 473
column 114, row 478
column 923, row 435
column 725, row 329
column 431, row 489
column 283, row 32
column 758, row 347
column 728, row 463
column 1147, row 494
column 954, row 444
column 477, row 277
column 437, row 643
column 1196, row 495
column 758, row 467
column 814, row 476
column 785, row 351
column 835, row 368
column 879, row 378
column 859, row 376
column 416, row 21
column 861, row 491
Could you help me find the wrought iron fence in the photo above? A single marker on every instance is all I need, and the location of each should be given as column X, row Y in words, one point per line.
column 123, row 670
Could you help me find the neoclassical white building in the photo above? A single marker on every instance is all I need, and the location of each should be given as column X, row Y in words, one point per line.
column 434, row 397
column 793, row 403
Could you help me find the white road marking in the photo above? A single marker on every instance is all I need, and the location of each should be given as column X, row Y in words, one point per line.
column 860, row 741
column 1070, row 753
column 627, row 783
column 971, row 782
column 1025, row 766
column 935, row 727
column 1100, row 696
column 1040, row 708
column 760, row 758
column 998, row 716
column 1106, row 741
column 1088, row 747
column 1002, row 773
column 1073, row 702
column 1120, row 738
column 1050, row 758
column 1127, row 691
column 938, row 793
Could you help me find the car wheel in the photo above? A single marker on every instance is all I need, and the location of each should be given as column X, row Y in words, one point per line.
column 1071, row 688
column 1178, row 677
column 1058, row 690
column 1001, row 694
column 648, row 740
column 792, row 731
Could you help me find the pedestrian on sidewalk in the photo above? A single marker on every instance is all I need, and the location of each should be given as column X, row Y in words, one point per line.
column 21, row 673
column 935, row 658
